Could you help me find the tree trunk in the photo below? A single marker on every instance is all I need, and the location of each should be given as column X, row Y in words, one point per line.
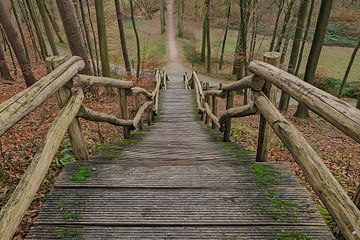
column 73, row 32
column 16, row 45
column 104, row 54
column 308, row 22
column 203, row 41
column 94, row 38
column 285, row 26
column 285, row 98
column 54, row 23
column 137, row 40
column 122, row 36
column 352, row 58
column 4, row 69
column 319, row 36
column 162, row 16
column 208, row 44
column 87, row 36
column 181, row 17
column 240, row 60
column 223, row 44
column 280, row 9
column 46, row 23
column 27, row 21
column 18, row 22
column 39, row 35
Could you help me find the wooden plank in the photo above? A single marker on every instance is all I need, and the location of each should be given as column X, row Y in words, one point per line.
column 178, row 206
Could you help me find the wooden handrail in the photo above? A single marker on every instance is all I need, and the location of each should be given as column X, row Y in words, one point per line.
column 14, row 210
column 95, row 116
column 139, row 90
column 86, row 80
column 140, row 112
column 336, row 111
column 339, row 204
column 20, row 105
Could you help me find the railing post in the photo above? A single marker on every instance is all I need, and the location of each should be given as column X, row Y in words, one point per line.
column 265, row 132
column 76, row 136
column 229, row 104
column 207, row 100
column 124, row 114
column 213, row 109
column 138, row 105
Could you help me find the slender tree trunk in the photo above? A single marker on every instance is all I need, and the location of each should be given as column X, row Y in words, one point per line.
column 27, row 21
column 4, row 69
column 53, row 23
column 18, row 22
column 122, row 36
column 43, row 48
column 16, row 45
column 308, row 23
column 285, row 98
column 87, row 35
column 203, row 41
column 162, row 16
column 46, row 23
column 94, row 38
column 137, row 40
column 284, row 26
column 81, row 23
column 240, row 60
column 104, row 54
column 73, row 32
column 352, row 58
column 208, row 44
column 319, row 36
column 280, row 9
column 254, row 32
column 181, row 17
column 7, row 47
column 223, row 44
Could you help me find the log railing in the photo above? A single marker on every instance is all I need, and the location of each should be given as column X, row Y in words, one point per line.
column 65, row 82
column 262, row 82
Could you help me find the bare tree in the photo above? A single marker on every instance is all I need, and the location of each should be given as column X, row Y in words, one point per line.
column 73, row 32
column 122, row 36
column 319, row 36
column 223, row 43
column 104, row 53
column 4, row 69
column 137, row 39
column 16, row 45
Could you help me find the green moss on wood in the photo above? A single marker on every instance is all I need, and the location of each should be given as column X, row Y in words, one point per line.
column 325, row 214
column 69, row 233
column 81, row 174
column 279, row 209
column 70, row 216
column 264, row 175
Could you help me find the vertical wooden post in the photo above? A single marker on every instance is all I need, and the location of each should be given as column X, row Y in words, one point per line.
column 229, row 104
column 138, row 105
column 207, row 98
column 265, row 132
column 213, row 109
column 75, row 134
column 124, row 114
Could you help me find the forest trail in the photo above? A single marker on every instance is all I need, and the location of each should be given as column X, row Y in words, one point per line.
column 177, row 182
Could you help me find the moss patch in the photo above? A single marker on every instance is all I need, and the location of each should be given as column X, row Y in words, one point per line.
column 81, row 174
column 70, row 216
column 280, row 209
column 325, row 214
column 69, row 233
column 264, row 175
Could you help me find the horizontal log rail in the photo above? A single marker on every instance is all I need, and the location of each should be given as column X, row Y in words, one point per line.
column 337, row 112
column 66, row 83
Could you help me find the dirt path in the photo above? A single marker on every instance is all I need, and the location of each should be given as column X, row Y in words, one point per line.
column 174, row 61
